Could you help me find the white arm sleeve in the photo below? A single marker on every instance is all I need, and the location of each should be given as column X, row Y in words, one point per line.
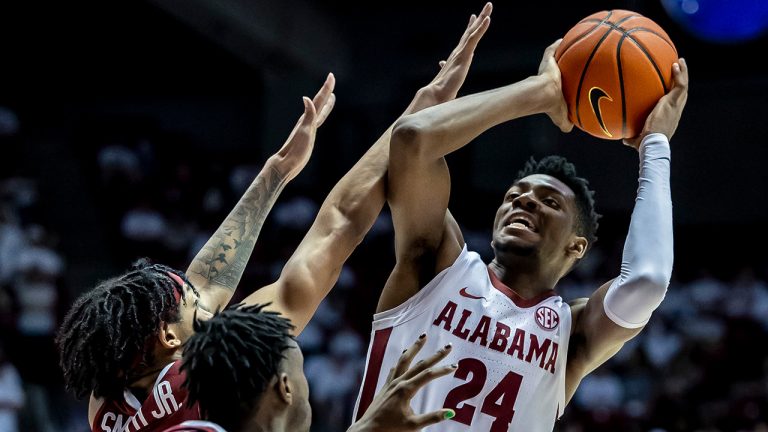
column 646, row 266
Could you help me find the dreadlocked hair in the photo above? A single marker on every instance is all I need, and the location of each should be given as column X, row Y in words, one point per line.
column 559, row 168
column 231, row 358
column 107, row 335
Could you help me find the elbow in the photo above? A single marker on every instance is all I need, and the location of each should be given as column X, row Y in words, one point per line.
column 652, row 281
column 408, row 138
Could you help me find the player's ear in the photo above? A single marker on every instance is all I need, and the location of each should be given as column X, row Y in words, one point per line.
column 168, row 336
column 577, row 247
column 283, row 387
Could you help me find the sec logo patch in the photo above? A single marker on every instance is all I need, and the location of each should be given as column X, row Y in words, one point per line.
column 547, row 318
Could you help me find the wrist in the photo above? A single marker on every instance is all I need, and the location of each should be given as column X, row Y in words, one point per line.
column 279, row 166
column 655, row 145
column 544, row 94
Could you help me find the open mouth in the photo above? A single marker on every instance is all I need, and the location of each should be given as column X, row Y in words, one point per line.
column 521, row 222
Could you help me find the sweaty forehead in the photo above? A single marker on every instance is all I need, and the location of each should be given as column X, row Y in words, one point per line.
column 536, row 181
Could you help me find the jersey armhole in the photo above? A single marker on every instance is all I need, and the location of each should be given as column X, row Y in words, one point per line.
column 96, row 406
column 409, row 309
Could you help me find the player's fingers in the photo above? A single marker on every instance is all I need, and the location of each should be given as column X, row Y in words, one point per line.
column 681, row 77
column 487, row 9
column 325, row 91
column 424, row 377
column 441, row 63
column 480, row 30
column 407, row 357
column 390, row 376
column 550, row 51
column 309, row 112
column 325, row 110
column 486, row 12
column 427, row 362
column 678, row 94
column 435, row 417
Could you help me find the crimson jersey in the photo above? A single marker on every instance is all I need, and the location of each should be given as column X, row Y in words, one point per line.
column 196, row 426
column 163, row 408
column 510, row 351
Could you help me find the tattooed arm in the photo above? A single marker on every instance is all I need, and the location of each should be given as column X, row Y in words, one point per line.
column 216, row 269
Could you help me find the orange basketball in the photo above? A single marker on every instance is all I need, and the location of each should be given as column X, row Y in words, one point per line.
column 615, row 66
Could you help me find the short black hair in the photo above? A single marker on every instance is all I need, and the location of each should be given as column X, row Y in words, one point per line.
column 106, row 337
column 559, row 168
column 231, row 358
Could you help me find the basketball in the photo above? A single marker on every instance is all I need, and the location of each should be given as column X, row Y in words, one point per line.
column 615, row 66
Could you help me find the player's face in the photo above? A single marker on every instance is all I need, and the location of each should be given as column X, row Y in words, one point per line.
column 190, row 307
column 536, row 218
column 301, row 412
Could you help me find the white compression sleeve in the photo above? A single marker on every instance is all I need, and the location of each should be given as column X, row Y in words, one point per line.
column 646, row 266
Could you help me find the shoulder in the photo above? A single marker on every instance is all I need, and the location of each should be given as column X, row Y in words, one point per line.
column 94, row 407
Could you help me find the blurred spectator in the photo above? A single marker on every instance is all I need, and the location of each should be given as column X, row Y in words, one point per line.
column 11, row 394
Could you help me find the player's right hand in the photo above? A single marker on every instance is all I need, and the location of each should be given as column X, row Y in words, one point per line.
column 295, row 153
column 668, row 110
column 390, row 410
column 557, row 109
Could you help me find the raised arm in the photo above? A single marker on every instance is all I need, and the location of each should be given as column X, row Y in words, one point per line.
column 427, row 239
column 351, row 208
column 216, row 269
column 618, row 310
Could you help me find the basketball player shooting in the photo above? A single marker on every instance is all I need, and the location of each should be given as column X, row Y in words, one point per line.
column 521, row 350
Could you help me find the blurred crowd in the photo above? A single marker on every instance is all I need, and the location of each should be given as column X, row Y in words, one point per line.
column 700, row 365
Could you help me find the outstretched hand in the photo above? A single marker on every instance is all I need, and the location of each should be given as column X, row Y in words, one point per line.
column 668, row 110
column 453, row 71
column 557, row 110
column 295, row 153
column 390, row 410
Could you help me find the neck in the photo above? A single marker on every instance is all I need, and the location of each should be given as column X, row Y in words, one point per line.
column 266, row 421
column 526, row 280
column 145, row 379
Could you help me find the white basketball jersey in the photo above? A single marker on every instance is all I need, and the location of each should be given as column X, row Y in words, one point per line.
column 511, row 352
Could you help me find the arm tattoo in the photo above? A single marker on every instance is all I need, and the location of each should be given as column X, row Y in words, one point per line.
column 223, row 258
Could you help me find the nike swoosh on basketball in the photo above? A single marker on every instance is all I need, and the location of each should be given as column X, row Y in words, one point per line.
column 595, row 94
column 464, row 293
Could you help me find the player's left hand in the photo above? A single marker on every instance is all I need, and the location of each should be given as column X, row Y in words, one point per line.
column 390, row 410
column 295, row 153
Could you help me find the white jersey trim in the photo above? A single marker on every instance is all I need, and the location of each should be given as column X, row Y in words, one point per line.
column 203, row 424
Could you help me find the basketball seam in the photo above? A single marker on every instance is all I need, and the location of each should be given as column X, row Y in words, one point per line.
column 585, row 34
column 648, row 55
column 589, row 60
column 624, row 31
column 660, row 36
column 580, row 37
column 621, row 87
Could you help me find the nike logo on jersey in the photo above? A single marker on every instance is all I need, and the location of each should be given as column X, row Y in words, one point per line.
column 595, row 94
column 463, row 292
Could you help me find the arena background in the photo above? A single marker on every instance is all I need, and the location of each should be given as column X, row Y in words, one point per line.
column 129, row 128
